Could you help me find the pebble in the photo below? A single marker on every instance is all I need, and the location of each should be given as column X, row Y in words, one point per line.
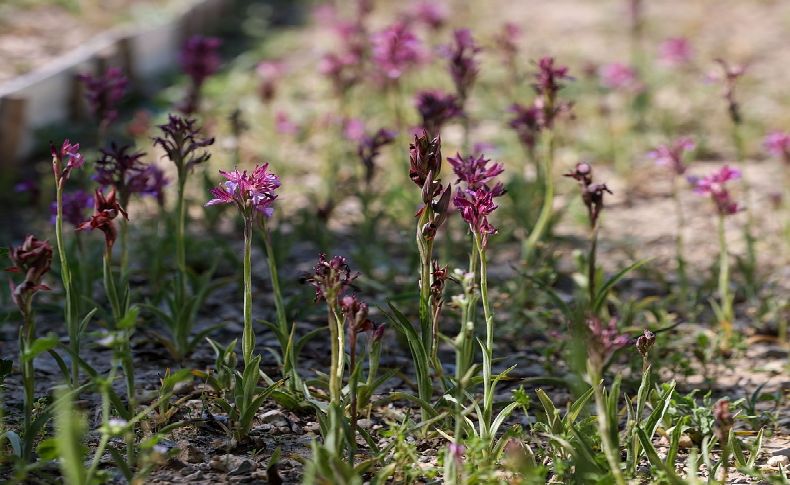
column 198, row 475
column 777, row 460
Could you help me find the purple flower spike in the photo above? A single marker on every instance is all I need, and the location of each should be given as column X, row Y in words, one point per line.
column 527, row 122
column 672, row 155
column 507, row 40
column 200, row 58
column 675, row 51
column 369, row 148
column 103, row 93
column 76, row 205
column 331, row 278
column 463, row 64
column 778, row 145
column 714, row 185
column 606, row 339
column 475, row 206
column 437, row 108
column 249, row 191
column 65, row 160
column 395, row 50
column 341, row 69
column 432, row 13
column 548, row 79
column 476, row 172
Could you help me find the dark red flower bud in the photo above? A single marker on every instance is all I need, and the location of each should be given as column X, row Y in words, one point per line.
column 425, row 155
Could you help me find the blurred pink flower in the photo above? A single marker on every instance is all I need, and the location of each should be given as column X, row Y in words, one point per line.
column 675, row 51
column 778, row 145
column 672, row 155
column 618, row 76
column 284, row 124
column 433, row 13
column 395, row 50
column 714, row 185
column 354, row 129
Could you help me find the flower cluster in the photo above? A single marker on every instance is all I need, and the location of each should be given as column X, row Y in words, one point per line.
column 507, row 42
column 356, row 313
column 527, row 122
column 121, row 168
column 463, row 64
column 395, row 50
column 592, row 194
column 200, row 58
column 644, row 342
column 605, row 339
column 331, row 278
column 618, row 76
column 714, row 185
column 548, row 82
column 249, row 191
column 103, row 93
column 675, row 51
column 476, row 172
column 341, row 68
column 425, row 156
column 75, row 205
column 672, row 155
column 181, row 140
column 778, row 145
column 33, row 259
column 723, row 420
column 475, row 201
column 65, row 160
column 105, row 210
column 431, row 13
column 730, row 74
column 437, row 108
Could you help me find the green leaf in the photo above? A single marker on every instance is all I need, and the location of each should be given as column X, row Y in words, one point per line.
column 577, row 407
column 552, row 415
column 41, row 344
column 15, row 441
column 655, row 460
column 501, row 417
column 603, row 292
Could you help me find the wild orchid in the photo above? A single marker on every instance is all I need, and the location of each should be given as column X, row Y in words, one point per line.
column 715, row 186
column 437, row 108
column 199, row 60
column 104, row 93
column 549, row 80
column 32, row 259
column 777, row 144
column 64, row 161
column 184, row 145
column 507, row 42
column 675, row 52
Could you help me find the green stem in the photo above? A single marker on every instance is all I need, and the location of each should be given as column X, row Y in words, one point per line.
column 71, row 321
column 724, row 283
column 488, row 388
column 336, row 367
column 26, row 333
column 547, row 209
column 248, row 336
column 180, row 231
column 592, row 263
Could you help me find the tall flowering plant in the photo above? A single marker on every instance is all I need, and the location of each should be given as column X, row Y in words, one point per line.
column 185, row 146
column 549, row 80
column 464, row 67
column 425, row 164
column 715, row 186
column 64, row 160
column 199, row 60
column 103, row 94
column 31, row 259
column 475, row 202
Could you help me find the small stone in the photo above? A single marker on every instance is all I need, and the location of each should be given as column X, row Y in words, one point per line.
column 365, row 423
column 244, row 467
column 778, row 460
column 190, row 454
column 198, row 475
column 685, row 442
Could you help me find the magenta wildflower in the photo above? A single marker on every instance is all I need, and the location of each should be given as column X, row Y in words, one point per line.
column 356, row 313
column 103, row 93
column 476, row 172
column 331, row 278
column 672, row 155
column 605, row 339
column 527, row 122
column 354, row 129
column 342, row 69
column 105, row 210
column 199, row 59
column 432, row 13
column 548, row 82
column 507, row 41
column 436, row 108
column 778, row 145
column 618, row 76
column 475, row 206
column 181, row 140
column 65, row 160
column 75, row 206
column 463, row 64
column 456, row 451
column 675, row 51
column 730, row 74
column 395, row 50
column 249, row 191
column 714, row 185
